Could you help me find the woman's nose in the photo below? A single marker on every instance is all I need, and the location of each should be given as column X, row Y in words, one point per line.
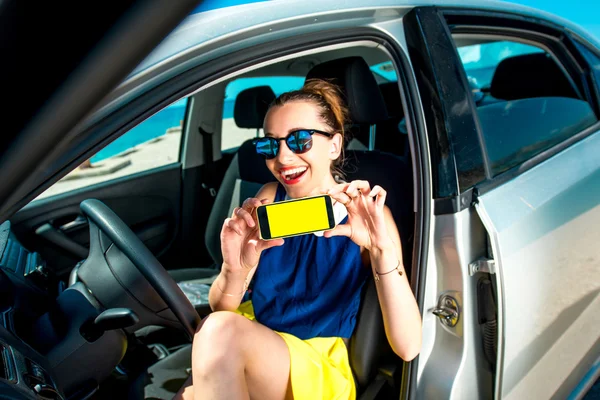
column 284, row 154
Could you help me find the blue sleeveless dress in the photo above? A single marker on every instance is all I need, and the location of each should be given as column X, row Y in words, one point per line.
column 309, row 287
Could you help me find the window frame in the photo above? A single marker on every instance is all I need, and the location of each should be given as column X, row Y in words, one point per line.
column 557, row 42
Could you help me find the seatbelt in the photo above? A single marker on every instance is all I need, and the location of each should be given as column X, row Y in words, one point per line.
column 209, row 165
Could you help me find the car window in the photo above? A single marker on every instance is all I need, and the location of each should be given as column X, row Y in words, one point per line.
column 153, row 143
column 480, row 60
column 385, row 70
column 526, row 102
column 232, row 135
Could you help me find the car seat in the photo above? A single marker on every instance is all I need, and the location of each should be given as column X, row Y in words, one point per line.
column 392, row 133
column 530, row 75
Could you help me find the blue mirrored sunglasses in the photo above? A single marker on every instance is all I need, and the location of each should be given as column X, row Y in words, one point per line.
column 299, row 141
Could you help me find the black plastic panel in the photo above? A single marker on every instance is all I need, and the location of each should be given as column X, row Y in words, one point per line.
column 148, row 203
column 453, row 134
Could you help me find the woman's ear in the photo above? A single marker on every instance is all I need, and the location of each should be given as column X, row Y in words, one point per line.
column 335, row 146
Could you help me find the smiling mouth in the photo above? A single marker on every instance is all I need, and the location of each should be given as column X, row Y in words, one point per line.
column 293, row 175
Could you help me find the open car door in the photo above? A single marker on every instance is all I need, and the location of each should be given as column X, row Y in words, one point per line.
column 547, row 282
column 514, row 281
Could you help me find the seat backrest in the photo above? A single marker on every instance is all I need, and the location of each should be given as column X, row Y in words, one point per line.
column 530, row 75
column 389, row 133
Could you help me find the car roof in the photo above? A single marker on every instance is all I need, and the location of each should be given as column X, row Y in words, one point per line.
column 201, row 28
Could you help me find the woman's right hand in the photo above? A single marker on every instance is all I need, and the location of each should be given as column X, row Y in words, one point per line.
column 241, row 244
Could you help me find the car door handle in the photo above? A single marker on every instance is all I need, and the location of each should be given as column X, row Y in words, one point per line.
column 78, row 222
column 57, row 237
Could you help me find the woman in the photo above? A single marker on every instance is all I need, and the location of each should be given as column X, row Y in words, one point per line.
column 289, row 340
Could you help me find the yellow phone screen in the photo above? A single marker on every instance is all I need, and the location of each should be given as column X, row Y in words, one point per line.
column 294, row 217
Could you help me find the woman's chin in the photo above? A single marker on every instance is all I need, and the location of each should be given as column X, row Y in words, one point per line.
column 297, row 191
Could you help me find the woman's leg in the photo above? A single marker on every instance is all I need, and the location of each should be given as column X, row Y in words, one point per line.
column 186, row 392
column 235, row 358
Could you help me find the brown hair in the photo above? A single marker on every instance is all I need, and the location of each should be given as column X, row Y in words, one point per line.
column 332, row 110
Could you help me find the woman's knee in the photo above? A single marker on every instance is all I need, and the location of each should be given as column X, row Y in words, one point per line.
column 218, row 340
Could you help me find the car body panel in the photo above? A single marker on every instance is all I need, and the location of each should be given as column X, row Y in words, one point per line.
column 544, row 230
column 451, row 363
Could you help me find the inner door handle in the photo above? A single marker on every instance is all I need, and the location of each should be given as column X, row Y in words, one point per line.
column 76, row 223
column 57, row 237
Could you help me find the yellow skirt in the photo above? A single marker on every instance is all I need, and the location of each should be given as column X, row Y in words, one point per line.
column 319, row 367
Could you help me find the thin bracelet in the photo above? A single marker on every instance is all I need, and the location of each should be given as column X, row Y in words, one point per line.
column 232, row 295
column 377, row 274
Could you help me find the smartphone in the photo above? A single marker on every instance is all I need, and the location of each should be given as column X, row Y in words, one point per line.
column 295, row 217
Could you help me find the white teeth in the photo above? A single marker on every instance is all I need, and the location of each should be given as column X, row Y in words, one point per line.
column 293, row 171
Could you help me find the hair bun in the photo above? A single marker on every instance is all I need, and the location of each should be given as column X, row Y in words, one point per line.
column 333, row 96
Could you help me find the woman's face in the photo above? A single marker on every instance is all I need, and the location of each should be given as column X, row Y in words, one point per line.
column 301, row 174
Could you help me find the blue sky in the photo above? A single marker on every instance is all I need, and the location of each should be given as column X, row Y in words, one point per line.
column 582, row 12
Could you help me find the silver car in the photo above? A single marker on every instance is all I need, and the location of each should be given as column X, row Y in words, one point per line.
column 481, row 119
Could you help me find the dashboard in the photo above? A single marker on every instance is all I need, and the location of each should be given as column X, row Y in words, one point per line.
column 63, row 340
column 27, row 291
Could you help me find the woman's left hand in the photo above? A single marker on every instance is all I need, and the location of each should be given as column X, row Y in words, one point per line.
column 366, row 224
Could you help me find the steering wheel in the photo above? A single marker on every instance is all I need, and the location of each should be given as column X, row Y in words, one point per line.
column 108, row 223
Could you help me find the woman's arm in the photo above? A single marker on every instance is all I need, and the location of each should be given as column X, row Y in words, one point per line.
column 228, row 289
column 401, row 316
column 240, row 245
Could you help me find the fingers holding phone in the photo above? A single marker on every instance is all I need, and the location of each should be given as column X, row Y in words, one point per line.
column 242, row 219
column 295, row 217
column 366, row 220
column 240, row 242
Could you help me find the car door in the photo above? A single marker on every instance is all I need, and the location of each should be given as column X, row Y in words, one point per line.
column 138, row 175
column 515, row 279
column 540, row 206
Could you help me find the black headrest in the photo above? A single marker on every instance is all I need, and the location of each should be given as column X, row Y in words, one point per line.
column 252, row 166
column 362, row 95
column 530, row 75
column 251, row 106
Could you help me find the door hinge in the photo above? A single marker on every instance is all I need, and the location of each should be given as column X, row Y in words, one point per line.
column 485, row 265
